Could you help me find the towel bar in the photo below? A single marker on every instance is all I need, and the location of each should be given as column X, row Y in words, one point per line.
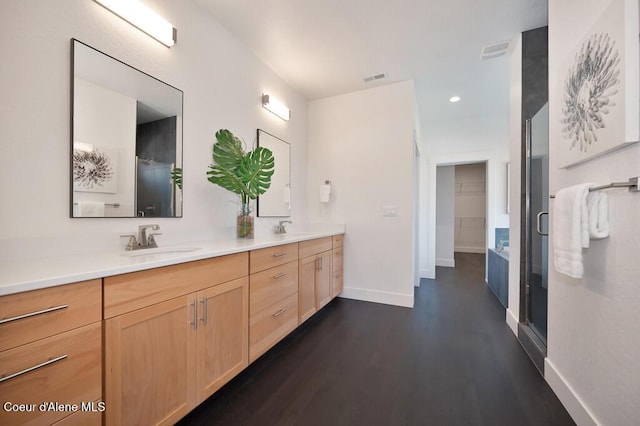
column 114, row 205
column 632, row 185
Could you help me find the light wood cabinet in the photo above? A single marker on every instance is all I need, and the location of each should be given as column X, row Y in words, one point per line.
column 315, row 273
column 52, row 352
column 150, row 363
column 164, row 359
column 172, row 335
column 223, row 335
column 266, row 258
column 307, row 287
column 337, row 281
column 270, row 325
column 33, row 315
column 273, row 296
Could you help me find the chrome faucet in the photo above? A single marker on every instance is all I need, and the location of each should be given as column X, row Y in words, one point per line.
column 143, row 240
column 280, row 229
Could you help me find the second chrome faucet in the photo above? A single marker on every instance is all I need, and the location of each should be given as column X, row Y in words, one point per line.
column 144, row 239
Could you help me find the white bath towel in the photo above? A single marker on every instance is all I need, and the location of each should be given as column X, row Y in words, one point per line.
column 570, row 229
column 91, row 209
column 598, row 207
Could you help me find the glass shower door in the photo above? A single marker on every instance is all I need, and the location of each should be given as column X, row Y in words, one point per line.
column 537, row 223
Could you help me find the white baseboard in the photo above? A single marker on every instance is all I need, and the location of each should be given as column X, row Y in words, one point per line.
column 567, row 396
column 470, row 249
column 512, row 322
column 376, row 296
column 449, row 263
column 428, row 273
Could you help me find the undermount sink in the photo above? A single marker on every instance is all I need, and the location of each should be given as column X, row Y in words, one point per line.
column 161, row 250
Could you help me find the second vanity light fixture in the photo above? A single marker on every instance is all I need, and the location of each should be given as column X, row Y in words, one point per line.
column 143, row 18
column 275, row 106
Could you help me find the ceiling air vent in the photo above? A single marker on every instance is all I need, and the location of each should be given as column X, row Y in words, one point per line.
column 375, row 77
column 494, row 50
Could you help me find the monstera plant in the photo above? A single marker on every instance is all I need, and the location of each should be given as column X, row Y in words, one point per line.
column 247, row 174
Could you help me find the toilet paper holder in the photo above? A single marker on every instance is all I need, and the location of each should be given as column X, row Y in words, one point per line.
column 325, row 191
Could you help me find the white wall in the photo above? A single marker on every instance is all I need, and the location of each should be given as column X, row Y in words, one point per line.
column 222, row 83
column 593, row 356
column 445, row 215
column 363, row 143
column 469, row 140
column 515, row 158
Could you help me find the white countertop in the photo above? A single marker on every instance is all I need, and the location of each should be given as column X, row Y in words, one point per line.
column 32, row 274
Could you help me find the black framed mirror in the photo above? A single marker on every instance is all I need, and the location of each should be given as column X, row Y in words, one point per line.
column 126, row 139
column 276, row 202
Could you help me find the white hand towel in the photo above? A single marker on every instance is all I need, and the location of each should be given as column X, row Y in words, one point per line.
column 91, row 209
column 598, row 207
column 570, row 229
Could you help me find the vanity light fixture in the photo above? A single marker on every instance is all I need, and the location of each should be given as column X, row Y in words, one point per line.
column 143, row 18
column 275, row 106
column 454, row 99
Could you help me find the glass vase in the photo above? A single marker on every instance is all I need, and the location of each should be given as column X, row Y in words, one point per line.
column 245, row 222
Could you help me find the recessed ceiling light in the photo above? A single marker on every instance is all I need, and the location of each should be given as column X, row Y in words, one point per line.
column 454, row 99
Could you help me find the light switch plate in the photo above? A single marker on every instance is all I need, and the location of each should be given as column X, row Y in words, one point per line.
column 390, row 211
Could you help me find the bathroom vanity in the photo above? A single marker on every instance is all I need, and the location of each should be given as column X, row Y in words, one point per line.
column 145, row 338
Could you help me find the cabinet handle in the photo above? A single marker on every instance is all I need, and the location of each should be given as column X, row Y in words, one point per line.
column 320, row 262
column 204, row 310
column 30, row 369
column 32, row 314
column 195, row 314
column 280, row 312
column 280, row 275
column 280, row 254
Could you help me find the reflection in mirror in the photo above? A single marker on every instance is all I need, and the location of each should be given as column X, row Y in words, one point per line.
column 276, row 202
column 126, row 140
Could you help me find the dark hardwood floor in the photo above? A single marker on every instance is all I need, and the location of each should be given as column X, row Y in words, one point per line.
column 451, row 360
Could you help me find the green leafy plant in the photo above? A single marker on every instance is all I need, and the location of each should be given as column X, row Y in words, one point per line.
column 176, row 176
column 247, row 174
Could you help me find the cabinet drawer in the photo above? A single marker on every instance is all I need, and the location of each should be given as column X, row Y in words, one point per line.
column 34, row 315
column 270, row 286
column 337, row 260
column 266, row 258
column 127, row 292
column 338, row 240
column 337, row 283
column 311, row 247
column 84, row 418
column 74, row 379
column 268, row 327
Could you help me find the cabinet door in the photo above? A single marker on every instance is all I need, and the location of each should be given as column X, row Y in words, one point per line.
column 150, row 363
column 323, row 279
column 65, row 368
column 337, row 283
column 223, row 335
column 306, row 287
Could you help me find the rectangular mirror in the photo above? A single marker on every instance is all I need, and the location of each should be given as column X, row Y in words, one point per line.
column 276, row 202
column 126, row 139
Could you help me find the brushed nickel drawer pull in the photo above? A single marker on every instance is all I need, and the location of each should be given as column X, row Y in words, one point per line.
column 30, row 369
column 280, row 312
column 280, row 254
column 280, row 275
column 33, row 314
column 195, row 314
column 204, row 310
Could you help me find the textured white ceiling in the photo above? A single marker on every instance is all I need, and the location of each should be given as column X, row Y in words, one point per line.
column 326, row 47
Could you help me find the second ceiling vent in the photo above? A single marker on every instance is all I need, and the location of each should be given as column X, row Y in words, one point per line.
column 375, row 77
column 494, row 50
